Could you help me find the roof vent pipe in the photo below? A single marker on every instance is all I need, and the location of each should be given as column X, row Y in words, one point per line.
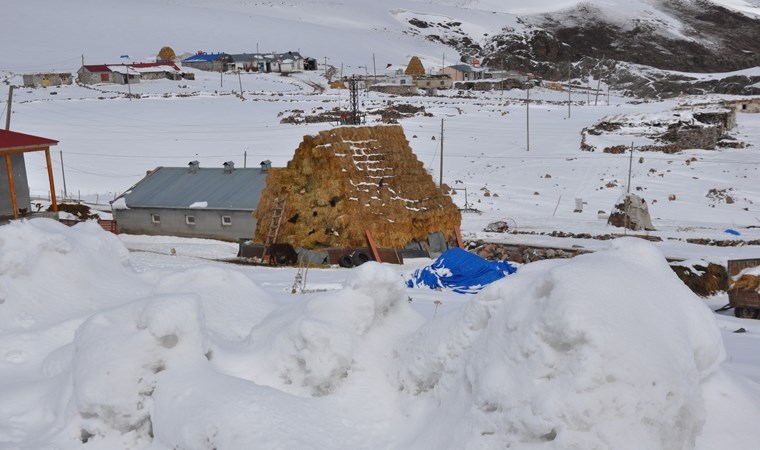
column 194, row 165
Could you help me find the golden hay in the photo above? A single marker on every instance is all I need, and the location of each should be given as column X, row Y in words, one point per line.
column 415, row 67
column 747, row 283
column 346, row 180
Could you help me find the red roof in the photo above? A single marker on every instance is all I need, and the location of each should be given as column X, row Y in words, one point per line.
column 154, row 64
column 97, row 68
column 11, row 140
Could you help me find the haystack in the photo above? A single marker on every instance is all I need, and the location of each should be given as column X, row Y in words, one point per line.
column 350, row 179
column 166, row 54
column 415, row 67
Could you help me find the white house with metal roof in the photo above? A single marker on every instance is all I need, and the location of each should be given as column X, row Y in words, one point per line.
column 211, row 203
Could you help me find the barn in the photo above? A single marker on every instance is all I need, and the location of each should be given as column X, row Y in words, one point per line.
column 193, row 201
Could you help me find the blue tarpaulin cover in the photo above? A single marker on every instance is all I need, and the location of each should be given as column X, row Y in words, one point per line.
column 461, row 271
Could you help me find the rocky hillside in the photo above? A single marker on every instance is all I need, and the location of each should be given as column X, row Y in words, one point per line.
column 633, row 50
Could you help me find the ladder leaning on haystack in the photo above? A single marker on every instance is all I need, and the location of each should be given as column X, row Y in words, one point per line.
column 274, row 226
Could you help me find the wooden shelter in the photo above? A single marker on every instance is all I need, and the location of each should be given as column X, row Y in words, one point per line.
column 347, row 181
column 13, row 180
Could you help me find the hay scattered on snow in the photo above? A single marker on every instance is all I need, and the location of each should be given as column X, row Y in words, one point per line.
column 346, row 180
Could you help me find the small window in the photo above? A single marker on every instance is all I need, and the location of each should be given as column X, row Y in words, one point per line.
column 155, row 218
column 226, row 221
column 190, row 220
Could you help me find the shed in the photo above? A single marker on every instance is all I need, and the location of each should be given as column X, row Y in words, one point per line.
column 14, row 186
column 349, row 180
column 34, row 80
column 213, row 62
column 156, row 70
column 212, row 203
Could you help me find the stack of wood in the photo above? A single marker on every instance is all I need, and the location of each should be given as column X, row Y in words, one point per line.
column 347, row 180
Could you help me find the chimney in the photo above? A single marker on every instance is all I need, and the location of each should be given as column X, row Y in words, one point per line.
column 194, row 165
column 229, row 166
column 266, row 165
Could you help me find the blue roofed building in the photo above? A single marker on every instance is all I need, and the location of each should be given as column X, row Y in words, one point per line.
column 211, row 203
column 214, row 62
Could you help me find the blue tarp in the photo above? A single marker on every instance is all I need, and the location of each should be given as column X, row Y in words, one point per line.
column 461, row 271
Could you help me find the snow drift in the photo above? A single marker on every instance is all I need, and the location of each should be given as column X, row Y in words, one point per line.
column 607, row 350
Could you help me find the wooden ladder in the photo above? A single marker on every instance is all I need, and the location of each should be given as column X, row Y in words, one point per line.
column 274, row 226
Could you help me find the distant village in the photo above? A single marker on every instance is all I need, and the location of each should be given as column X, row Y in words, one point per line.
column 393, row 79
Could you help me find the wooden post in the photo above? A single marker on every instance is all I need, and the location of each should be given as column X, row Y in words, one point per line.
column 11, row 184
column 50, row 178
column 10, row 102
column 458, row 234
column 372, row 247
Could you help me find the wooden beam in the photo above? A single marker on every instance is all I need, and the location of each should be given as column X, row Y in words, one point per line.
column 11, row 185
column 372, row 246
column 50, row 178
column 458, row 234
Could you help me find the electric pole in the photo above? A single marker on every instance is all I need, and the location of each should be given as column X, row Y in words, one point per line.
column 527, row 116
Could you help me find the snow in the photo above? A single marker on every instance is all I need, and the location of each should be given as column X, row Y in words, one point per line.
column 99, row 345
column 155, row 342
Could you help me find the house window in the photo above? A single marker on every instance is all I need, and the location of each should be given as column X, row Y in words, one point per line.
column 190, row 220
column 226, row 221
column 155, row 218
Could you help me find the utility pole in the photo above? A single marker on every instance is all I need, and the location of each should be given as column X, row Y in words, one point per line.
column 63, row 175
column 240, row 81
column 440, row 175
column 245, row 159
column 221, row 77
column 527, row 116
column 630, row 167
column 8, row 112
column 129, row 86
column 598, row 82
column 569, row 89
column 374, row 68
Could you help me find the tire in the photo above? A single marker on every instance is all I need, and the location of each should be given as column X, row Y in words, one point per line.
column 346, row 261
column 359, row 258
column 745, row 313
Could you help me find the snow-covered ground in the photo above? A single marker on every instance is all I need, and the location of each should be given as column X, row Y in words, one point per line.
column 142, row 342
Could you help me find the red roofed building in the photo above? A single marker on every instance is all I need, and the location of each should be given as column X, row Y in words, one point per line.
column 127, row 73
column 14, row 187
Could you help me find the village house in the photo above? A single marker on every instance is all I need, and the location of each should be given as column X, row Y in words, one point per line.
column 104, row 73
column 128, row 73
column 35, row 80
column 433, row 82
column 211, row 62
column 270, row 62
column 463, row 72
column 193, row 201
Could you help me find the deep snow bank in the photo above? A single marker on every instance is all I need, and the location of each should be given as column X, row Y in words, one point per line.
column 607, row 350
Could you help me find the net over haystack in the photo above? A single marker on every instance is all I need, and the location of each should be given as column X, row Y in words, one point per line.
column 346, row 180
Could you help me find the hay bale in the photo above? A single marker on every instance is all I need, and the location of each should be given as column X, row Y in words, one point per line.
column 346, row 180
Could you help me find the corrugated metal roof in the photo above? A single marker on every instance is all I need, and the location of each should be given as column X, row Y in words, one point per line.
column 207, row 57
column 178, row 187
